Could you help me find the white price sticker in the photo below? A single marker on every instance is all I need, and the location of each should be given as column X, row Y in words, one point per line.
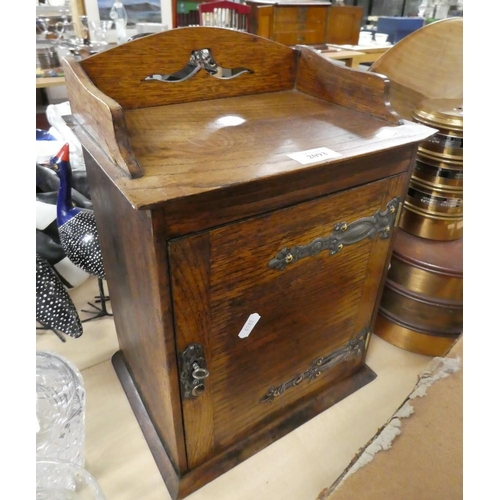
column 386, row 133
column 249, row 325
column 314, row 155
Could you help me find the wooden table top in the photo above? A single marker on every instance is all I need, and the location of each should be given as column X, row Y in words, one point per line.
column 53, row 81
column 366, row 49
column 337, row 53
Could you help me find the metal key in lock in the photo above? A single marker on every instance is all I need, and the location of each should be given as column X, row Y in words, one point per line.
column 199, row 373
column 193, row 371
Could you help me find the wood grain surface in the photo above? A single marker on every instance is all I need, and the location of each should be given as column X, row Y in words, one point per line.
column 102, row 118
column 120, row 72
column 233, row 203
column 135, row 260
column 240, row 140
column 203, row 153
column 427, row 63
column 307, row 23
column 309, row 310
column 166, row 467
column 299, row 25
column 344, row 24
column 246, row 126
column 353, row 89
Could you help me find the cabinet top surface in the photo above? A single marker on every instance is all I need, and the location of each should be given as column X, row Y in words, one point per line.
column 191, row 148
column 243, row 109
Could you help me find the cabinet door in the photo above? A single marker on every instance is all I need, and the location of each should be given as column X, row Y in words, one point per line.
column 344, row 25
column 311, row 273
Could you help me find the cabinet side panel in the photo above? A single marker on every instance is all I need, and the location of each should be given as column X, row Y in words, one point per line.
column 324, row 78
column 134, row 253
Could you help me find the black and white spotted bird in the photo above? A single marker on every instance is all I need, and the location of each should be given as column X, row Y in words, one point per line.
column 54, row 307
column 77, row 227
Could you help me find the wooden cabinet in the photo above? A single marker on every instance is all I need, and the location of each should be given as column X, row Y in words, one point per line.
column 305, row 22
column 298, row 24
column 245, row 199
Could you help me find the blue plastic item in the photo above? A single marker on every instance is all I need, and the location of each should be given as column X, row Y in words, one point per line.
column 398, row 27
column 44, row 135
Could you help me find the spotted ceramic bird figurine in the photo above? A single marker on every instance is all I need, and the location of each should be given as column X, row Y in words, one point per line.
column 54, row 307
column 77, row 227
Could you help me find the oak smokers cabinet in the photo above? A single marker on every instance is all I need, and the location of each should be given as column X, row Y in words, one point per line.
column 245, row 194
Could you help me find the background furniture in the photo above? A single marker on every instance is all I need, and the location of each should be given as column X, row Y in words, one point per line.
column 42, row 83
column 360, row 53
column 428, row 63
column 350, row 57
column 305, row 22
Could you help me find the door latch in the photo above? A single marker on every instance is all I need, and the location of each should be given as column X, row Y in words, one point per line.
column 193, row 371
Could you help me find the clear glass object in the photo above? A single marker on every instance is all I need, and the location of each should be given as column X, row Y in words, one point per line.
column 60, row 410
column 65, row 481
column 99, row 32
column 119, row 15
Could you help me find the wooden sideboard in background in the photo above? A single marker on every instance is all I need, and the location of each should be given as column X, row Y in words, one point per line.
column 307, row 22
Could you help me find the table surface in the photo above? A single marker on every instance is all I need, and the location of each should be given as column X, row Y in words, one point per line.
column 44, row 82
column 367, row 49
column 360, row 53
column 298, row 466
column 337, row 53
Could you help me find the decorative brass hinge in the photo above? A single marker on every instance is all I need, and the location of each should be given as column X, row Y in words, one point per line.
column 379, row 224
column 354, row 347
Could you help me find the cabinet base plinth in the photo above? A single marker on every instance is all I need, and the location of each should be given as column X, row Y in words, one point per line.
column 181, row 485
